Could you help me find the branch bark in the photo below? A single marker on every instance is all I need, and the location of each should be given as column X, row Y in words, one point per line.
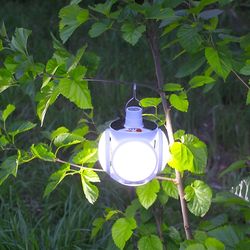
column 152, row 37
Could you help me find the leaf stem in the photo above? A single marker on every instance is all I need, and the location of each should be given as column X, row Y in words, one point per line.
column 163, row 178
column 246, row 85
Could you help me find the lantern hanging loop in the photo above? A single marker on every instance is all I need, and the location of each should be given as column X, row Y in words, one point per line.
column 134, row 98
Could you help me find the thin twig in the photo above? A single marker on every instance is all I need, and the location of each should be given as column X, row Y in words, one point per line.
column 162, row 178
column 78, row 166
column 246, row 85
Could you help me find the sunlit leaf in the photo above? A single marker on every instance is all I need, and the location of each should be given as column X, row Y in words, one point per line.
column 122, row 230
column 198, row 195
column 147, row 193
column 198, row 81
column 172, row 87
column 170, row 189
column 8, row 111
column 67, row 139
column 150, row 102
column 180, row 101
column 43, row 152
column 90, row 191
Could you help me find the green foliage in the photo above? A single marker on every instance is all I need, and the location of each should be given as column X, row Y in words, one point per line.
column 189, row 154
column 205, row 49
column 147, row 193
column 132, row 33
column 9, row 109
column 72, row 16
column 122, row 230
column 219, row 62
column 150, row 242
column 55, row 179
column 19, row 40
column 198, row 196
column 170, row 189
column 43, row 152
column 91, row 192
column 179, row 101
column 8, row 167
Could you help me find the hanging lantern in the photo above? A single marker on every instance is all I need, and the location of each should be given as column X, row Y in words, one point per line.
column 133, row 151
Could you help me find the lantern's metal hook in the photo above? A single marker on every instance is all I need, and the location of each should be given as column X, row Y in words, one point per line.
column 134, row 96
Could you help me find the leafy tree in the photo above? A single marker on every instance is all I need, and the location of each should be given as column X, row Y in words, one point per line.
column 211, row 54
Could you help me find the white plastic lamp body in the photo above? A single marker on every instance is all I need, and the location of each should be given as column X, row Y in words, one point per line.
column 133, row 151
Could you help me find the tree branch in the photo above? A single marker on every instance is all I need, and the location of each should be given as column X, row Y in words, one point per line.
column 154, row 46
column 79, row 166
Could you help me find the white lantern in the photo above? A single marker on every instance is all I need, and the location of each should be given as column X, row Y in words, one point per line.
column 133, row 151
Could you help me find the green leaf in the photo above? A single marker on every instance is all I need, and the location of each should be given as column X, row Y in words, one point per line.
column 122, row 230
column 150, row 102
column 67, row 139
column 219, row 62
column 71, row 17
column 43, row 152
column 9, row 166
column 198, row 196
column 57, row 132
column 180, row 101
column 97, row 226
column 46, row 98
column 214, row 244
column 132, row 208
column 90, row 191
column 233, row 167
column 150, row 242
column 156, row 12
column 20, row 127
column 182, row 157
column 79, row 54
column 51, row 68
column 227, row 234
column 172, row 87
column 208, row 14
column 55, row 179
column 6, row 79
column 77, row 92
column 199, row 81
column 189, row 38
column 147, row 193
column 196, row 246
column 245, row 70
column 132, row 33
column 19, row 40
column 190, row 65
column 199, row 151
column 248, row 97
column 170, row 189
column 190, row 154
column 3, row 32
column 9, row 110
column 103, row 8
column 88, row 154
column 98, row 28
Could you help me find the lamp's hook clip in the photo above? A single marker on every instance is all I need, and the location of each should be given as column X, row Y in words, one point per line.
column 134, row 98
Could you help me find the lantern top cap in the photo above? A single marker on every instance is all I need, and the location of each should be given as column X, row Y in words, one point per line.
column 133, row 118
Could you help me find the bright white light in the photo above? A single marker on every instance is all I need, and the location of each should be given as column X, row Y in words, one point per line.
column 134, row 161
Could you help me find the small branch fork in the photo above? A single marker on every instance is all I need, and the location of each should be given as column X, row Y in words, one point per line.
column 152, row 37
